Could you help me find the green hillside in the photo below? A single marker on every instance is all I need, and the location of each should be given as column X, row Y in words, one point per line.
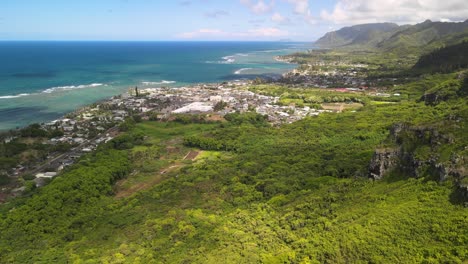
column 359, row 34
column 257, row 194
column 421, row 35
column 447, row 59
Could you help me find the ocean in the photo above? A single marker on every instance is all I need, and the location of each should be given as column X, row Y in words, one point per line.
column 42, row 81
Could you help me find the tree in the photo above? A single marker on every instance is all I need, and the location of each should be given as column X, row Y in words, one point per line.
column 464, row 87
column 4, row 179
column 219, row 106
column 136, row 91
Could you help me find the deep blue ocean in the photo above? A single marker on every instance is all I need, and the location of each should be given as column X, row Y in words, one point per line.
column 41, row 81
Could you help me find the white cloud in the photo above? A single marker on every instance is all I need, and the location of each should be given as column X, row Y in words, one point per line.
column 301, row 7
column 400, row 11
column 262, row 33
column 259, row 6
column 278, row 18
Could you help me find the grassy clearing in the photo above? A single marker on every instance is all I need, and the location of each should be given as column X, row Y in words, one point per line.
column 161, row 154
column 341, row 106
column 381, row 103
column 206, row 155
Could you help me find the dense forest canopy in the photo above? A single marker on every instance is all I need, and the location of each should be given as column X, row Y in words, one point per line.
column 446, row 59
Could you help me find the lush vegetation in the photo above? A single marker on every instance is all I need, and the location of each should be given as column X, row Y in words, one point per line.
column 237, row 190
column 294, row 194
column 447, row 59
column 309, row 96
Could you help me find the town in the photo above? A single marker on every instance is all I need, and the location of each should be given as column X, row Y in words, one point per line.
column 85, row 129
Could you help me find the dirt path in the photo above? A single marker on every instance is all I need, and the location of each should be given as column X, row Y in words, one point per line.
column 192, row 155
column 156, row 179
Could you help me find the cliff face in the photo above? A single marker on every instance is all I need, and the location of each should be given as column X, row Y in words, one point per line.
column 382, row 162
column 422, row 152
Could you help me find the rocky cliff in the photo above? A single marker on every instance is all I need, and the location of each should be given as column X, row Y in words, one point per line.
column 422, row 151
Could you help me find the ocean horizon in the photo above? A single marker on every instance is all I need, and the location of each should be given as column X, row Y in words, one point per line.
column 43, row 80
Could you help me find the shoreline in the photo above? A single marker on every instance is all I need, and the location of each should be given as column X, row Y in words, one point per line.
column 125, row 94
column 106, row 98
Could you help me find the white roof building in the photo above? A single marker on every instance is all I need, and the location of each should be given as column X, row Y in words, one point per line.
column 46, row 175
column 194, row 107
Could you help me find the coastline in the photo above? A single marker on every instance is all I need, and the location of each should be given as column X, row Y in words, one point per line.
column 127, row 93
column 43, row 94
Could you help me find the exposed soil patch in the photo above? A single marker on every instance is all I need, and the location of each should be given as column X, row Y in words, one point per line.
column 137, row 187
column 192, row 155
column 215, row 118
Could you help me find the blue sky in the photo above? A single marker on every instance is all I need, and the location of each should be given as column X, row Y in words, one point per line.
column 301, row 20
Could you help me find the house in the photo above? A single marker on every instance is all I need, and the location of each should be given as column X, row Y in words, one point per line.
column 68, row 128
column 78, row 140
column 216, row 98
column 48, row 175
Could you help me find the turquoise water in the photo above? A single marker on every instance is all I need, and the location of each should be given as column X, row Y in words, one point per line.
column 41, row 81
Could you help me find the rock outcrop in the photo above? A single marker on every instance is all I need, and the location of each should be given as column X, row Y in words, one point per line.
column 416, row 153
column 383, row 161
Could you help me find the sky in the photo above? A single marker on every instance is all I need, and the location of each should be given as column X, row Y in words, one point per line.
column 209, row 20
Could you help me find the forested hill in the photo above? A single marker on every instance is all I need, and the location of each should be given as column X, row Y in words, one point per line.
column 426, row 35
column 394, row 38
column 447, row 59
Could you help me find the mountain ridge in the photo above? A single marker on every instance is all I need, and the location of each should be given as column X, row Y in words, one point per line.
column 354, row 34
column 394, row 38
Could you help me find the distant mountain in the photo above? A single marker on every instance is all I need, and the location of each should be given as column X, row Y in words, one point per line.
column 399, row 39
column 359, row 34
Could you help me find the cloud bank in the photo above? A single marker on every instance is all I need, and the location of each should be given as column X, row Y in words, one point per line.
column 399, row 11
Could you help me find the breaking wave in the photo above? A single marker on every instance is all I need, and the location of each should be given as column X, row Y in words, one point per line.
column 242, row 70
column 158, row 83
column 72, row 87
column 226, row 59
column 54, row 89
column 229, row 59
column 13, row 96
